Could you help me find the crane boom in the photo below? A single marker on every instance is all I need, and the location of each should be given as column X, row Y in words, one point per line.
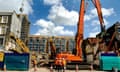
column 79, row 35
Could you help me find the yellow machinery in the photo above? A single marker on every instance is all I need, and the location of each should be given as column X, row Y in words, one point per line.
column 21, row 44
column 19, row 58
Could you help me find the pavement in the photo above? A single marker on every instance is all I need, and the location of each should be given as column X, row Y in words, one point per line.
column 42, row 69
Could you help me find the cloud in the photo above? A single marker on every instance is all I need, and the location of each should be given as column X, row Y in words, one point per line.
column 87, row 17
column 96, row 27
column 57, row 18
column 106, row 12
column 60, row 15
column 93, row 34
column 92, row 17
column 97, row 22
column 43, row 23
column 49, row 28
column 51, row 2
column 93, row 13
column 42, row 32
column 15, row 5
column 59, row 30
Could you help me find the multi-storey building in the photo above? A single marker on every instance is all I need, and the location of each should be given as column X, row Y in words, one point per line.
column 64, row 43
column 39, row 43
column 71, row 44
column 24, row 27
column 60, row 43
column 9, row 23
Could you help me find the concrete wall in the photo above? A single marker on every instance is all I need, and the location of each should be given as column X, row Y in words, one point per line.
column 15, row 25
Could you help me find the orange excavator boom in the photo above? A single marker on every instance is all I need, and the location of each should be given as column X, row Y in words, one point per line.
column 99, row 11
column 80, row 28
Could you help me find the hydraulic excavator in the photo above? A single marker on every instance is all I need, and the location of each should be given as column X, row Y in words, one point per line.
column 77, row 58
column 48, row 58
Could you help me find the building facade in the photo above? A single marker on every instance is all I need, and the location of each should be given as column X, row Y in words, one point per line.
column 25, row 27
column 11, row 24
column 39, row 43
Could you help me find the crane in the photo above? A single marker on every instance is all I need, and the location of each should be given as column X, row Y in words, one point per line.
column 77, row 58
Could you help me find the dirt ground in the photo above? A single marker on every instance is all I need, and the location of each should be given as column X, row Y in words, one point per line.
column 43, row 69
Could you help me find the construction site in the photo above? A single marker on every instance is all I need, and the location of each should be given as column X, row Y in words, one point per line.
column 22, row 52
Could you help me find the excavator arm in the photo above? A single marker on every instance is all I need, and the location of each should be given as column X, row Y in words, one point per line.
column 80, row 28
column 20, row 43
column 53, row 48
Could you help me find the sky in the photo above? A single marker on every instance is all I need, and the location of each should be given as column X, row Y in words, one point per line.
column 60, row 17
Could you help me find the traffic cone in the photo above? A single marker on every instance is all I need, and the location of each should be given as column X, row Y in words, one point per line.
column 51, row 68
column 5, row 68
column 76, row 68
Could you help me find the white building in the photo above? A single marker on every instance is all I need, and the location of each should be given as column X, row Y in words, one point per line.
column 9, row 23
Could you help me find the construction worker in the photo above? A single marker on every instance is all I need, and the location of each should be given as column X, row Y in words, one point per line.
column 64, row 64
column 118, row 52
column 34, row 59
column 34, row 63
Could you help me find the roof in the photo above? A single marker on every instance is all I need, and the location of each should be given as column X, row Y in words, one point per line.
column 45, row 36
column 7, row 12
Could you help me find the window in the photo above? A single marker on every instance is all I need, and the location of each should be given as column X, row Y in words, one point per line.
column 2, row 30
column 0, row 19
column 30, row 40
column 42, row 41
column 3, row 19
column 37, row 40
column 118, row 29
column 1, row 41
